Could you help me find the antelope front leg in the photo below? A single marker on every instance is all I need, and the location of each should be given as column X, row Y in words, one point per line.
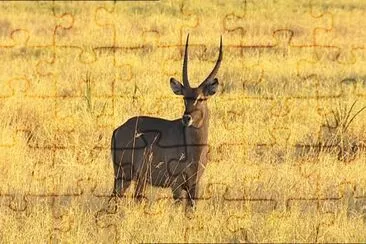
column 121, row 181
column 140, row 186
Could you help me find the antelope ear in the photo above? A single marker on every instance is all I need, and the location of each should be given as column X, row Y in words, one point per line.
column 210, row 87
column 176, row 86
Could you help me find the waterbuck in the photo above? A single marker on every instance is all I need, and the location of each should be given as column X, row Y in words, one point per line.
column 167, row 153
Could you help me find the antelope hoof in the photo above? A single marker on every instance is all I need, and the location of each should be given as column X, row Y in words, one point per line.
column 190, row 212
column 139, row 198
column 177, row 202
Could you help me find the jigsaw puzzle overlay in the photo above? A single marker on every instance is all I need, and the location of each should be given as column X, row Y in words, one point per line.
column 287, row 135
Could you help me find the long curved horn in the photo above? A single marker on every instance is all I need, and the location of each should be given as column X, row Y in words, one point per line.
column 217, row 65
column 185, row 66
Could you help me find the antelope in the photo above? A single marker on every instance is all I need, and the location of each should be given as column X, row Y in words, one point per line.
column 167, row 153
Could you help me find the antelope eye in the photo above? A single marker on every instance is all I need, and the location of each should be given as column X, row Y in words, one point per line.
column 186, row 99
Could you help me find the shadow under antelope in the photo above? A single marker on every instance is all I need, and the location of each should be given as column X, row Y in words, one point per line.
column 167, row 153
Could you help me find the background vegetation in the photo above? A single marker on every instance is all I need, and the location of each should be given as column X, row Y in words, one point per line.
column 278, row 172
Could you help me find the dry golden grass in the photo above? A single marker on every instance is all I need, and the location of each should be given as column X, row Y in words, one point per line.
column 55, row 127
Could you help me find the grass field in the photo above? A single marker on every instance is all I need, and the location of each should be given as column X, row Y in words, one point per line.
column 277, row 171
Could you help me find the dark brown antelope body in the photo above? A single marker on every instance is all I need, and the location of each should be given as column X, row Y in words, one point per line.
column 166, row 153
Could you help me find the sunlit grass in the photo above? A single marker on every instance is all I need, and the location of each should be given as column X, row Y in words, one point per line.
column 56, row 119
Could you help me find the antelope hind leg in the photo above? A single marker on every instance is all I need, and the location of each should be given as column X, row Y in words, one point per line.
column 177, row 194
column 120, row 187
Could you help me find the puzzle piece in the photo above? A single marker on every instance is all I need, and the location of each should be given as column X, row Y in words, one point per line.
column 340, row 50
column 87, row 186
column 326, row 221
column 24, row 33
column 62, row 218
column 346, row 85
column 84, row 23
column 18, row 203
column 239, row 224
column 7, row 140
column 237, row 197
column 192, row 230
column 107, row 219
column 303, row 30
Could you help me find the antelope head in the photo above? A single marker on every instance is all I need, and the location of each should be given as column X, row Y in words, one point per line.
column 195, row 98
